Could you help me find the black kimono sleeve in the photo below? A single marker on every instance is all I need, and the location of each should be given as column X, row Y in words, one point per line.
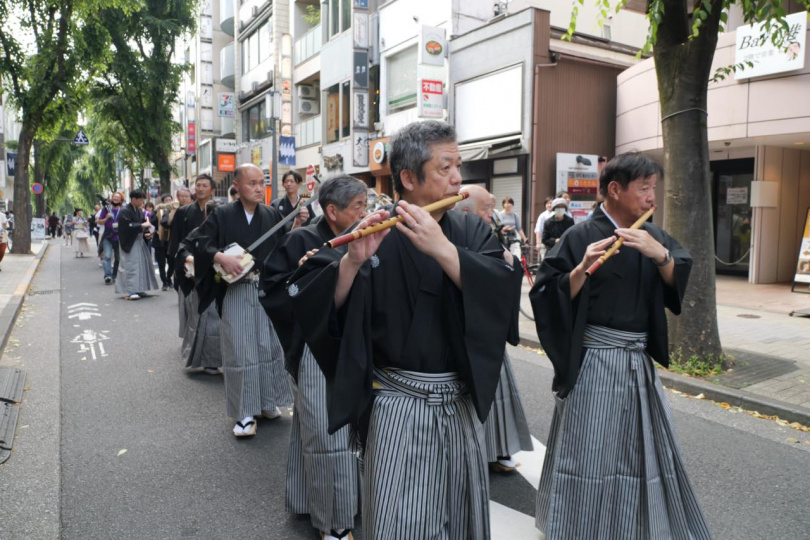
column 184, row 249
column 204, row 247
column 177, row 234
column 129, row 228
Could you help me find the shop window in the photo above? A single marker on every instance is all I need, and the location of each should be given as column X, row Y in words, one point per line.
column 338, row 109
column 254, row 122
column 401, row 80
column 374, row 94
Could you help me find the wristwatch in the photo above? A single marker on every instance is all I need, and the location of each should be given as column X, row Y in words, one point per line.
column 667, row 260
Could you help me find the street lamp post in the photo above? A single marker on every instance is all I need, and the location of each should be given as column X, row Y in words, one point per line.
column 272, row 106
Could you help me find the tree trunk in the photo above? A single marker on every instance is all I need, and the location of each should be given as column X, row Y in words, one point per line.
column 683, row 67
column 165, row 178
column 39, row 200
column 22, row 194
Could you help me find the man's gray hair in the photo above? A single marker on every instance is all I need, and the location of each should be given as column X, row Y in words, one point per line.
column 410, row 148
column 182, row 189
column 340, row 190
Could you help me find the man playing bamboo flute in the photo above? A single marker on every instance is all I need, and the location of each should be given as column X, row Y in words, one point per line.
column 252, row 357
column 506, row 431
column 186, row 219
column 322, row 472
column 201, row 347
column 136, row 276
column 613, row 468
column 408, row 326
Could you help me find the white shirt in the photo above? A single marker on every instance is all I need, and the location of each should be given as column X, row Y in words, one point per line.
column 541, row 221
column 249, row 216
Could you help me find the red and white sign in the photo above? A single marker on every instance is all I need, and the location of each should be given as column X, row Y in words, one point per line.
column 310, row 178
column 431, row 100
column 192, row 138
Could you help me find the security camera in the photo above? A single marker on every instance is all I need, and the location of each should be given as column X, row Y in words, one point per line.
column 727, row 143
column 584, row 161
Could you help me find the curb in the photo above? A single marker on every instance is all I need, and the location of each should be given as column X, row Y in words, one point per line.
column 715, row 392
column 9, row 315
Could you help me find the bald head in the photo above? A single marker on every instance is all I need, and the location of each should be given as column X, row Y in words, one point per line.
column 477, row 203
column 247, row 169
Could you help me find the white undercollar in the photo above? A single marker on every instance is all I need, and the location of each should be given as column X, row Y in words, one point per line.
column 604, row 211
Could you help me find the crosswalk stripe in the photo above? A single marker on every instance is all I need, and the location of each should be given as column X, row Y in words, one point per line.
column 508, row 524
column 531, row 463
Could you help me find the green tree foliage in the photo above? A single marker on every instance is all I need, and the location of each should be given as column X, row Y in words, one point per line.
column 141, row 81
column 46, row 55
column 682, row 38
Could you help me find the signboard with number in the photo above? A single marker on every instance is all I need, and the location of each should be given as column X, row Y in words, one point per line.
column 310, row 178
column 226, row 162
column 578, row 175
column 754, row 45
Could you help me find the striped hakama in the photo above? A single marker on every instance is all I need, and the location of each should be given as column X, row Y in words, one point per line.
column 506, row 431
column 201, row 344
column 424, row 475
column 252, row 357
column 183, row 307
column 136, row 274
column 613, row 467
column 322, row 473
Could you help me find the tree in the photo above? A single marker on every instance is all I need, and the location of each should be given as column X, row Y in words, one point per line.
column 683, row 37
column 142, row 81
column 44, row 52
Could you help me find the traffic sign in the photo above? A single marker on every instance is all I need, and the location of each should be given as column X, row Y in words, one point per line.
column 37, row 188
column 80, row 138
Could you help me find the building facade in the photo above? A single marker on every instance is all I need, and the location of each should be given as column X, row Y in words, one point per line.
column 759, row 139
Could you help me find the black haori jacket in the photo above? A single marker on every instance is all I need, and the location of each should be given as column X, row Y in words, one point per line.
column 130, row 226
column 626, row 293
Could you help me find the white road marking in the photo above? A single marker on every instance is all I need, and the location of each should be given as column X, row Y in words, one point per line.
column 88, row 340
column 531, row 463
column 508, row 524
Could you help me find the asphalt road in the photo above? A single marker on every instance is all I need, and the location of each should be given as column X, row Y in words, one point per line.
column 147, row 450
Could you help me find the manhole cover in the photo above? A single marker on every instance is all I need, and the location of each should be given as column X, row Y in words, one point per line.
column 748, row 316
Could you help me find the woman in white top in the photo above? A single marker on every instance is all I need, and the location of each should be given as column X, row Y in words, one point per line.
column 512, row 230
column 82, row 231
column 3, row 235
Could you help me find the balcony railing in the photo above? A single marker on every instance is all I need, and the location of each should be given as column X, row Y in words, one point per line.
column 226, row 18
column 307, row 45
column 308, row 132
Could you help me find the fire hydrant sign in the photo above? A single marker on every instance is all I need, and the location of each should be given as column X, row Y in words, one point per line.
column 431, row 95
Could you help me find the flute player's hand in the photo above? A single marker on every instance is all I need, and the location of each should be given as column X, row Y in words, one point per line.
column 422, row 230
column 361, row 250
column 593, row 252
column 641, row 240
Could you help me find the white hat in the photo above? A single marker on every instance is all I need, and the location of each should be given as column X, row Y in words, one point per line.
column 559, row 201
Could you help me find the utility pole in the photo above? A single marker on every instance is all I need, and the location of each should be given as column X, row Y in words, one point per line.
column 272, row 106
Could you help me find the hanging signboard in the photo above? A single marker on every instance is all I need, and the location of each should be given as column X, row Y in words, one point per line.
column 578, row 175
column 192, row 138
column 361, row 69
column 431, row 46
column 226, row 104
column 801, row 280
column 431, row 99
column 754, row 45
column 226, row 162
column 286, row 151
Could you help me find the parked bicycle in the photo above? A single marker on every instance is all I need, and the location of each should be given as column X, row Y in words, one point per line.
column 527, row 253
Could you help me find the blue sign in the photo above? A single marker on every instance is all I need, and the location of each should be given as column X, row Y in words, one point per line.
column 286, row 151
column 362, row 4
column 11, row 160
column 80, row 138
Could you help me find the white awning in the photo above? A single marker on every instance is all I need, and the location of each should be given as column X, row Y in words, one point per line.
column 489, row 148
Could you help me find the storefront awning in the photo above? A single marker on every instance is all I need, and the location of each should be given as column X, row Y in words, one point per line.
column 489, row 148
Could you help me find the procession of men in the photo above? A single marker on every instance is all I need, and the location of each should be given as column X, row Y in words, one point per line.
column 390, row 349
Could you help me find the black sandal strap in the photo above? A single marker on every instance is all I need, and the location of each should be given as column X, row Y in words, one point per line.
column 344, row 534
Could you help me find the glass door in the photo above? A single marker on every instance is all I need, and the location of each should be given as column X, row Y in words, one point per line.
column 732, row 212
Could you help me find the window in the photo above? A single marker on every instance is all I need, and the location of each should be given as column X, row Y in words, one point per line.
column 374, row 95
column 401, row 78
column 339, row 15
column 338, row 111
column 258, row 46
column 254, row 122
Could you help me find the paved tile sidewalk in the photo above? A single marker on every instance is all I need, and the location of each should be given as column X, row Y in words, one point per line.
column 17, row 272
column 754, row 319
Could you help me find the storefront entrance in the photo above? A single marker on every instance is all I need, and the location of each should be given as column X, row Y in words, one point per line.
column 731, row 205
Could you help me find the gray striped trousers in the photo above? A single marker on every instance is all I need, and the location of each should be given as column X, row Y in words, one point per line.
column 613, row 468
column 424, row 475
column 322, row 473
column 252, row 357
column 506, row 431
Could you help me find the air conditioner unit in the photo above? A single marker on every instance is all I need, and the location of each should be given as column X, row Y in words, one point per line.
column 309, row 106
column 254, row 11
column 306, row 91
column 242, row 95
column 255, row 86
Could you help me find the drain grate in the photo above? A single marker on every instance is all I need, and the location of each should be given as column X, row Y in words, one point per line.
column 748, row 316
column 751, row 368
column 39, row 293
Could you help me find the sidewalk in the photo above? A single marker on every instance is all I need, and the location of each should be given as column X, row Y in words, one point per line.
column 17, row 273
column 771, row 350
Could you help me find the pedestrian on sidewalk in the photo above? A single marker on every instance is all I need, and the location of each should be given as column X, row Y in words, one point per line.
column 108, row 217
column 541, row 224
column 511, row 227
column 53, row 221
column 91, row 223
column 81, row 226
column 68, row 230
column 252, row 356
column 408, row 326
column 183, row 199
column 613, row 468
column 506, row 430
column 3, row 235
column 322, row 470
column 559, row 222
column 137, row 270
